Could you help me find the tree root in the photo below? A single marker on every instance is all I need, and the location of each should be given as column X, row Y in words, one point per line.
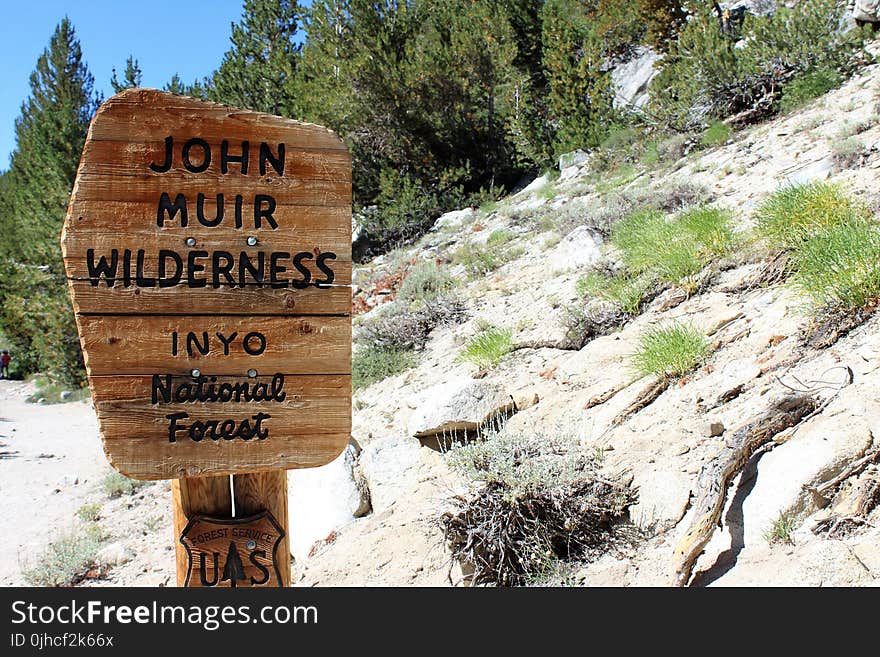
column 715, row 477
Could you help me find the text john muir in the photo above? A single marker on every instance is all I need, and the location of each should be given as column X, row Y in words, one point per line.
column 198, row 268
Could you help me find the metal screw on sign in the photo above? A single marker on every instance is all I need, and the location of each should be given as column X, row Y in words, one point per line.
column 196, row 373
column 190, row 241
column 251, row 241
column 252, row 374
column 251, row 545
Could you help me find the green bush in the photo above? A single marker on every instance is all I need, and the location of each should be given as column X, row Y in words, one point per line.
column 781, row 529
column 66, row 558
column 670, row 351
column 839, row 268
column 117, row 484
column 536, row 502
column 624, row 290
column 488, row 347
column 716, row 134
column 425, row 282
column 808, row 86
column 89, row 512
column 710, row 227
column 795, row 213
column 373, row 363
column 401, row 326
column 707, row 76
column 500, row 236
column 650, row 243
column 480, row 260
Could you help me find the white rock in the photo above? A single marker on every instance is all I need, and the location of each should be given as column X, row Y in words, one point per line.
column 114, row 554
column 453, row 220
column 573, row 159
column 386, row 463
column 818, row 451
column 630, row 80
column 535, row 185
column 581, row 247
column 321, row 500
column 459, row 404
column 818, row 170
column 663, row 497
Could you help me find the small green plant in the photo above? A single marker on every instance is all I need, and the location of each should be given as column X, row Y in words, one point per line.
column 808, row 86
column 651, row 243
column 710, row 227
column 117, row 484
column 795, row 213
column 488, row 347
column 89, row 512
column 839, row 268
column 670, row 351
column 66, row 558
column 425, row 282
column 373, row 363
column 781, row 529
column 481, row 260
column 716, row 134
column 49, row 392
column 848, row 153
column 624, row 290
column 500, row 237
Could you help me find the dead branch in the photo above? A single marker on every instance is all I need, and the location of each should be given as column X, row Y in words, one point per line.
column 605, row 396
column 854, row 468
column 645, row 398
column 715, row 477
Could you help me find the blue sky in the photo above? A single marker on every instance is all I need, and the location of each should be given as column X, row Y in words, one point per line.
column 165, row 36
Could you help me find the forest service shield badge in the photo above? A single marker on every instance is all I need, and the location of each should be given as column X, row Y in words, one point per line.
column 233, row 552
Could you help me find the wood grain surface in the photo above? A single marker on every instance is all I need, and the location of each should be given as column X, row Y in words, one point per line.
column 127, row 330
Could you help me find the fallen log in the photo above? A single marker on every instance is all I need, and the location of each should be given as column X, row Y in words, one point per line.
column 716, row 476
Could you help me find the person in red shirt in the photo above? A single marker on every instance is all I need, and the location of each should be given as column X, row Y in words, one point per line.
column 4, row 364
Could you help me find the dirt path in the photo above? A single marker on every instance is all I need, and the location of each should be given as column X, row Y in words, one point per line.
column 51, row 464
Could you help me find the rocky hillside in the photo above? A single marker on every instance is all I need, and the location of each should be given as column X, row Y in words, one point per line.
column 799, row 512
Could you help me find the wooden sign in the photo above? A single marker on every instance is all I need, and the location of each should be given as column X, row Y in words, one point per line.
column 208, row 252
column 235, row 553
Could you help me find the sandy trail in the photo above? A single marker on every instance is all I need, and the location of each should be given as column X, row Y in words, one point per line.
column 51, row 463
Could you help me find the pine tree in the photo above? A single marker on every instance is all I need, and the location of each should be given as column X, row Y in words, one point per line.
column 233, row 570
column 198, row 89
column 575, row 58
column 131, row 77
column 50, row 133
column 256, row 73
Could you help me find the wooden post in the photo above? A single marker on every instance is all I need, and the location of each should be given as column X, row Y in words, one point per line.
column 191, row 495
column 266, row 491
column 211, row 496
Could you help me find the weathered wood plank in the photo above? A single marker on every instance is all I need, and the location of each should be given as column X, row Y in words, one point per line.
column 143, row 188
column 122, row 118
column 198, row 459
column 248, row 300
column 122, row 345
column 125, row 158
column 95, row 218
column 266, row 491
column 311, row 405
